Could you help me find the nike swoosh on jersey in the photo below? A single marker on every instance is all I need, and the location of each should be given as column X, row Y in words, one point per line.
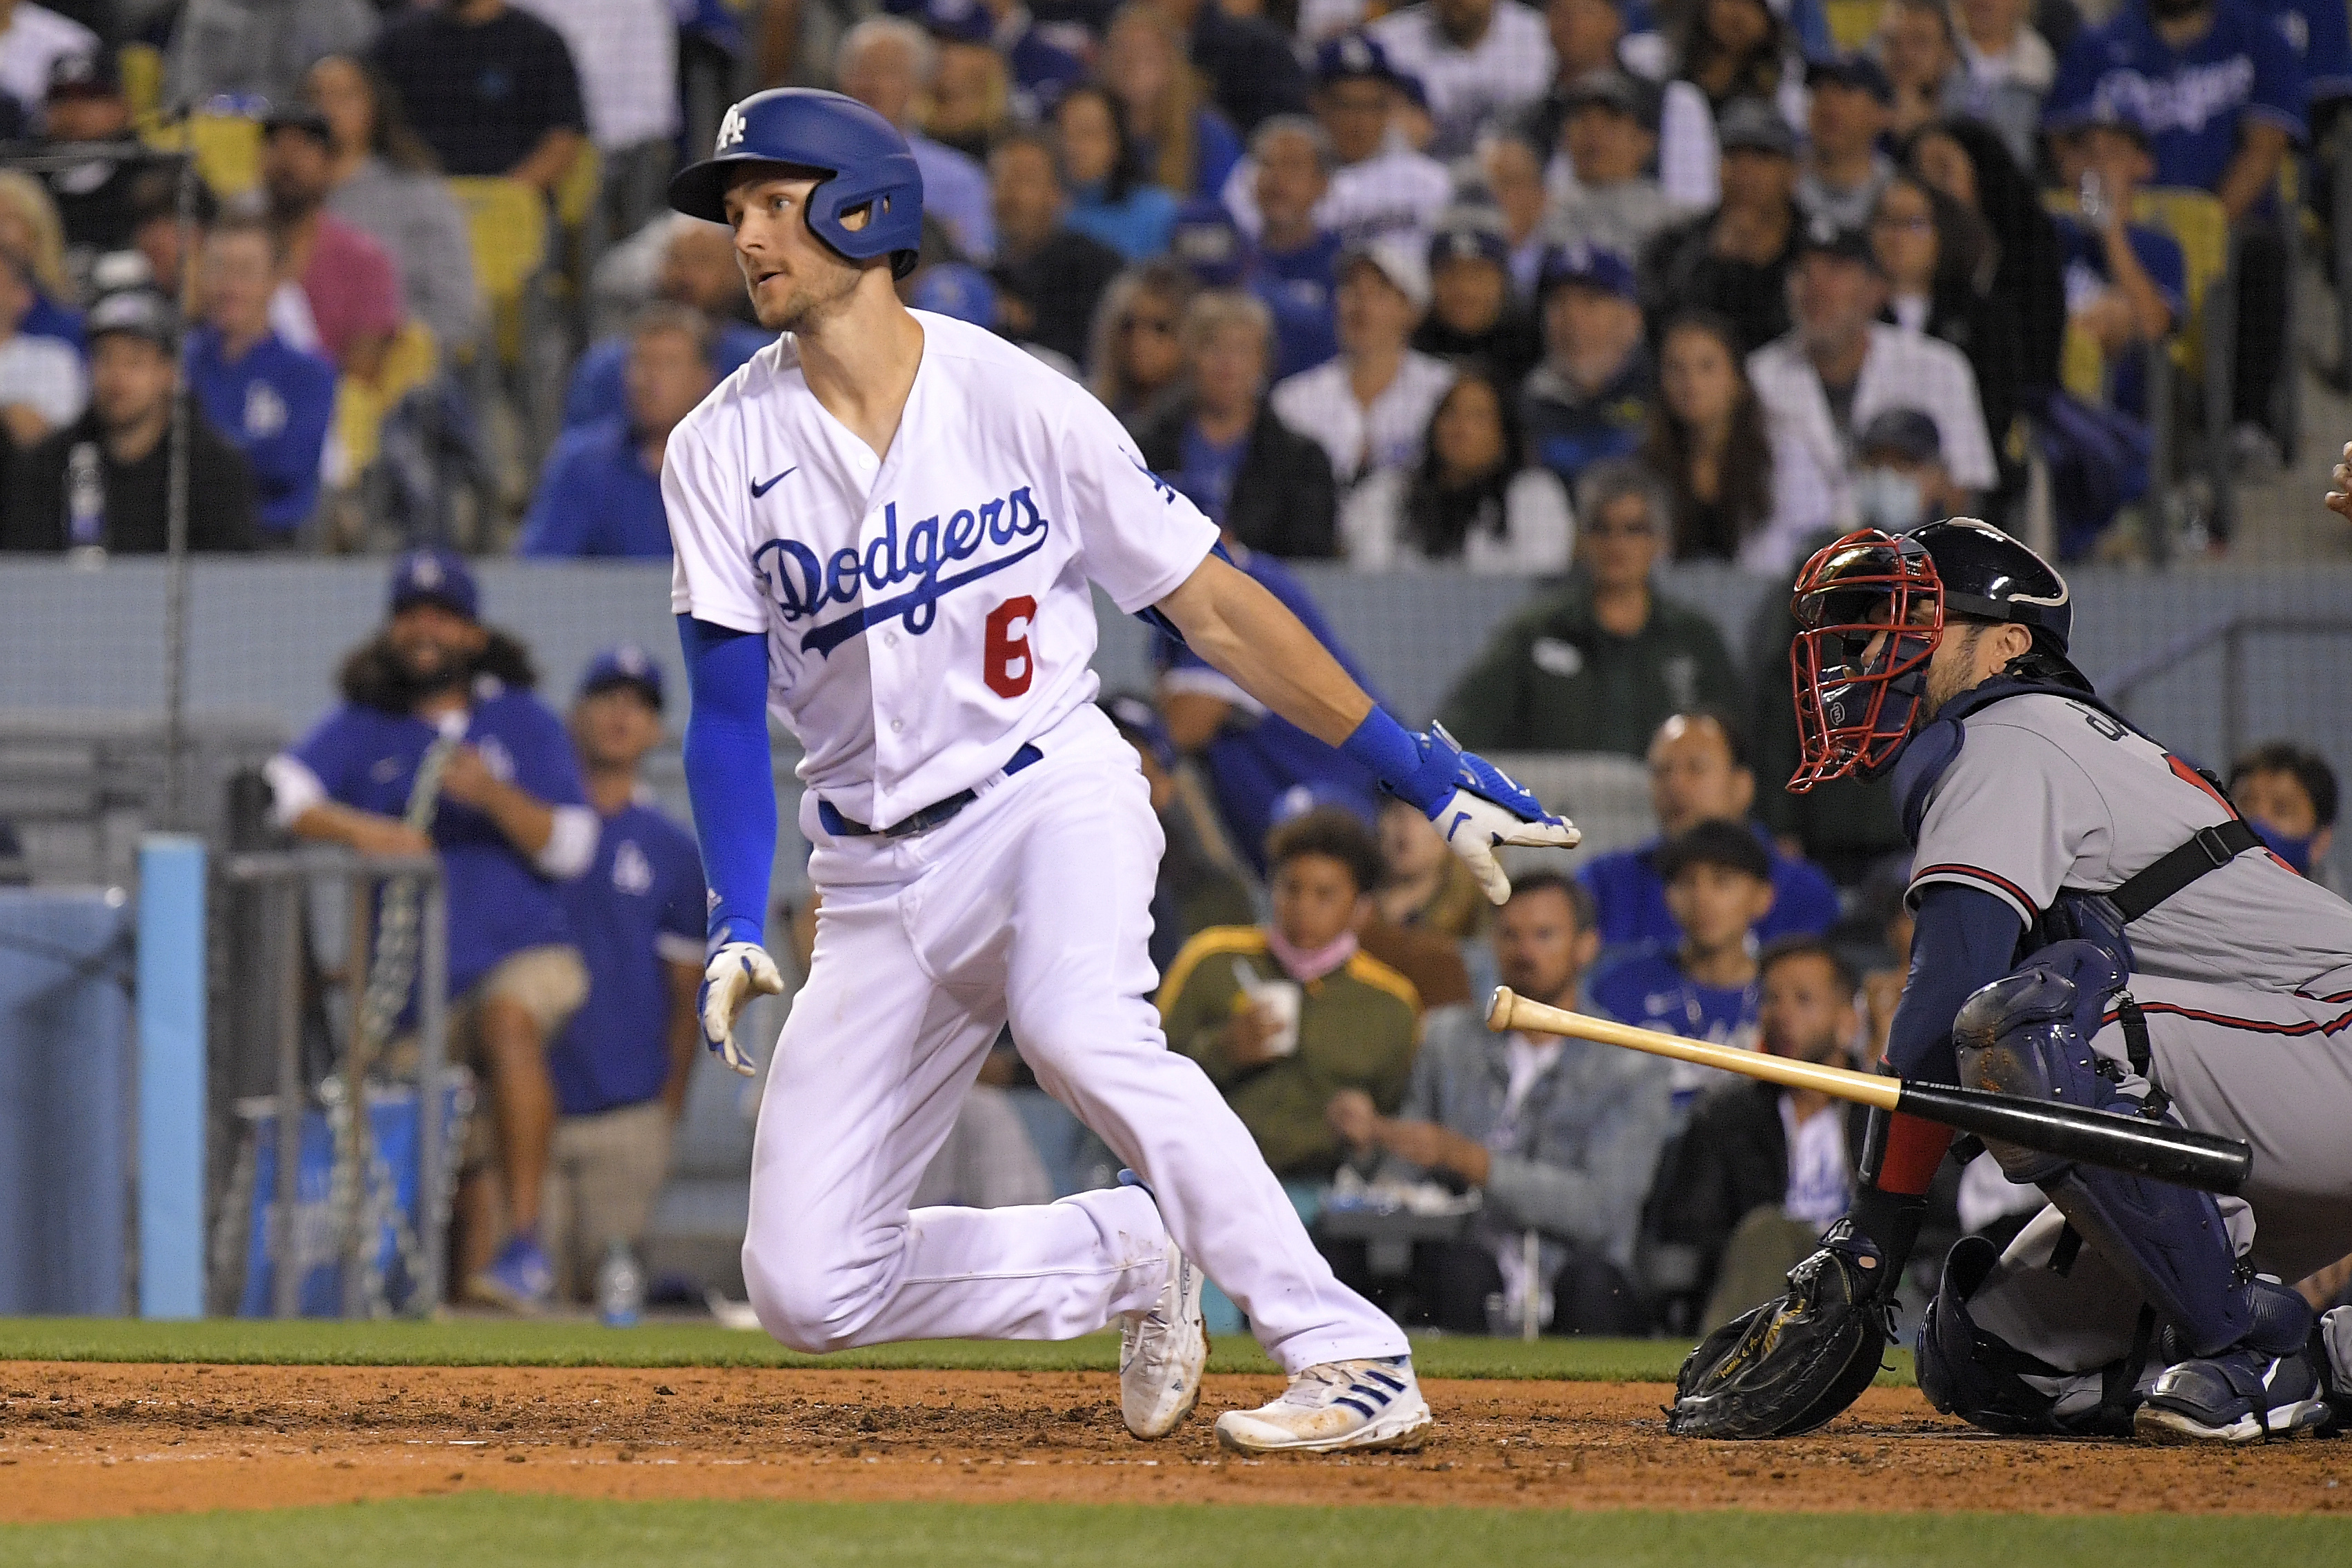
column 759, row 489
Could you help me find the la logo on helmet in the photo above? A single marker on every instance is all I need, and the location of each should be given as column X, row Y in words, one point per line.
column 731, row 130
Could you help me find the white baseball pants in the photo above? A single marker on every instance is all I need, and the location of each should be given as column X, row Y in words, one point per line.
column 1032, row 906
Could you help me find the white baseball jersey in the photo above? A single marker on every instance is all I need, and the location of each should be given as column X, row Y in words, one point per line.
column 2048, row 794
column 928, row 613
column 1396, row 191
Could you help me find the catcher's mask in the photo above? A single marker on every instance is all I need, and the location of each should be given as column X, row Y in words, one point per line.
column 1854, row 704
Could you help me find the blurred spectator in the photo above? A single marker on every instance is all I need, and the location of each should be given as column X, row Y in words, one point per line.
column 1899, row 478
column 1591, row 397
column 1108, row 199
column 32, row 39
column 351, row 284
column 1560, row 1136
column 1919, row 48
column 1935, row 256
column 1700, row 773
column 1473, row 499
column 620, row 1066
column 601, row 492
column 1608, row 140
column 626, row 53
column 698, row 271
column 1133, row 358
column 1852, row 107
column 2221, row 94
column 1840, row 366
column 1369, row 405
column 1201, row 883
column 1735, row 498
column 492, row 90
column 510, row 823
column 1599, row 665
column 259, row 50
column 1512, row 171
column 1172, row 133
column 1425, row 885
column 105, row 479
column 1735, row 49
column 1584, row 37
column 887, row 63
column 1736, row 259
column 274, row 402
column 42, row 386
column 2007, row 70
column 1477, row 60
column 1247, row 60
column 1049, row 278
column 86, row 110
column 1220, row 443
column 1473, row 318
column 32, row 236
column 1762, row 1170
column 2289, row 793
column 970, row 103
column 2126, row 281
column 1285, row 1015
column 1293, row 268
column 1260, row 767
column 156, row 232
column 1378, row 181
column 382, row 181
column 1702, row 984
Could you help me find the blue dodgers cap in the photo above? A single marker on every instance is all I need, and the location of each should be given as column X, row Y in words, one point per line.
column 624, row 665
column 1208, row 243
column 1589, row 265
column 952, row 21
column 1353, row 56
column 436, row 575
column 1468, row 240
column 1856, row 71
column 1141, row 724
column 953, row 288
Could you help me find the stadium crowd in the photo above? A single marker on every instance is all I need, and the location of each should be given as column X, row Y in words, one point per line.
column 1558, row 293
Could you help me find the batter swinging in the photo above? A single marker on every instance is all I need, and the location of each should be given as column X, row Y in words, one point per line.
column 886, row 525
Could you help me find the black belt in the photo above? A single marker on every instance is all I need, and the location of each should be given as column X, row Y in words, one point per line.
column 931, row 816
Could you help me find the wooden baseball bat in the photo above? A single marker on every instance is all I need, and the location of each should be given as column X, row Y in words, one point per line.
column 2181, row 1156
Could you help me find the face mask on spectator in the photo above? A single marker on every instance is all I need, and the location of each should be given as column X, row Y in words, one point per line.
column 1887, row 500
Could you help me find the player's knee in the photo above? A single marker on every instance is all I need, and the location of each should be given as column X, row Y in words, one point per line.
column 807, row 1299
column 2026, row 1034
column 1967, row 1372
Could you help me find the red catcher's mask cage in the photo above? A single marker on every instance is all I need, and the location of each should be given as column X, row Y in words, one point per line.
column 1853, row 710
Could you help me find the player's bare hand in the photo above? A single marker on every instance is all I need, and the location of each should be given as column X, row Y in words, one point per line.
column 1248, row 1035
column 1354, row 1117
column 2339, row 499
column 466, row 779
column 736, row 973
column 373, row 835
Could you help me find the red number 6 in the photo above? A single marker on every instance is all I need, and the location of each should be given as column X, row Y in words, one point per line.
column 1010, row 665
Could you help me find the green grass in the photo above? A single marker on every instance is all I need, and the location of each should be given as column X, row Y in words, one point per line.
column 526, row 1531
column 473, row 1341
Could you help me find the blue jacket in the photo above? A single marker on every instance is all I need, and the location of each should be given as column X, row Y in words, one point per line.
column 596, row 497
column 274, row 405
column 1632, row 897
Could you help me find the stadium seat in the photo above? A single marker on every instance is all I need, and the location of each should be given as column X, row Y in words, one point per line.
column 361, row 406
column 1853, row 23
column 509, row 222
column 141, row 66
column 228, row 148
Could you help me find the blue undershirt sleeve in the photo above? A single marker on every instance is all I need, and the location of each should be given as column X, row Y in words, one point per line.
column 1964, row 937
column 730, row 775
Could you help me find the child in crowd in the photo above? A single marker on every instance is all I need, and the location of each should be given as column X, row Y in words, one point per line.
column 1719, row 885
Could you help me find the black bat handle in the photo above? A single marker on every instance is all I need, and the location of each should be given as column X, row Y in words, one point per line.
column 2181, row 1156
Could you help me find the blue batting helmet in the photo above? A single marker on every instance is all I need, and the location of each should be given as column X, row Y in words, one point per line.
column 862, row 157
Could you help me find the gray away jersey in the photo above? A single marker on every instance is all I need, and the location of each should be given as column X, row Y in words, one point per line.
column 2047, row 793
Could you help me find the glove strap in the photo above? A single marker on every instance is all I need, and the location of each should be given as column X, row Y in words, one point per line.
column 727, row 928
column 1409, row 767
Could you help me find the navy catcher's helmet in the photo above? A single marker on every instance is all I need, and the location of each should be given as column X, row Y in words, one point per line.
column 1988, row 576
column 864, row 159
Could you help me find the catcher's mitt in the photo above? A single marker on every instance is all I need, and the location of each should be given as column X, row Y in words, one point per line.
column 1796, row 1363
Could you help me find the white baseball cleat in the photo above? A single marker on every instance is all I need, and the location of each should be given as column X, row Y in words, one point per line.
column 1373, row 1403
column 1163, row 1352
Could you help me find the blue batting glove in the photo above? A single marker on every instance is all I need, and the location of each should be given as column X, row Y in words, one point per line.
column 1476, row 807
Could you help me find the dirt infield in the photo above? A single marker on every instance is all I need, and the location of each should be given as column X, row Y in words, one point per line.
column 82, row 1441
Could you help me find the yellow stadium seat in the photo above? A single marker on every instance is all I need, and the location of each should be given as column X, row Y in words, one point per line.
column 141, row 66
column 411, row 361
column 576, row 192
column 2196, row 221
column 509, row 222
column 1853, row 23
column 227, row 149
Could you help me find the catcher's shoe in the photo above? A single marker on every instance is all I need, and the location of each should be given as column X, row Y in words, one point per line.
column 1163, row 1352
column 2241, row 1396
column 1373, row 1403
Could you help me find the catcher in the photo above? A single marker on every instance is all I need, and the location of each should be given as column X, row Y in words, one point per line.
column 2095, row 926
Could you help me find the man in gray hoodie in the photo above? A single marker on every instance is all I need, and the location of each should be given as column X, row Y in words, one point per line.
column 1561, row 1135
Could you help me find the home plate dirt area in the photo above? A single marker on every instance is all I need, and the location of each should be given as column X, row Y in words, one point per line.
column 88, row 1440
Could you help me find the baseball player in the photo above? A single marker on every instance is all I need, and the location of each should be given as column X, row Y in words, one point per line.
column 2096, row 925
column 885, row 527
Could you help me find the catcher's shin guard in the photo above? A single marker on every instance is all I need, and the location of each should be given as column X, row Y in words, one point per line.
column 2026, row 1034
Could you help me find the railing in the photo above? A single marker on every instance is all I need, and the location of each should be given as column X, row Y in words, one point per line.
column 2231, row 633
column 283, row 880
